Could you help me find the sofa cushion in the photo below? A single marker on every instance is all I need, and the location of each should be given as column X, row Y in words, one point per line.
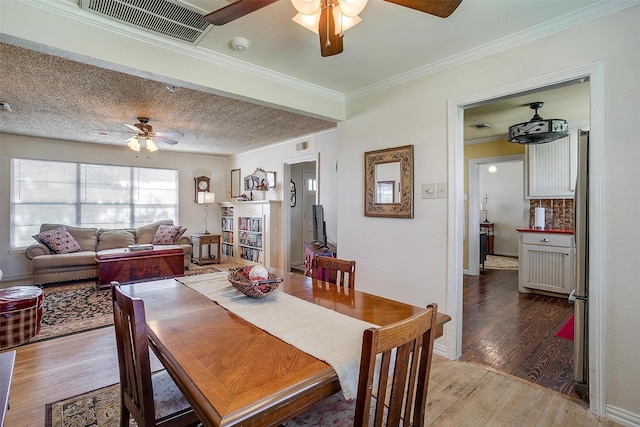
column 82, row 258
column 146, row 233
column 59, row 240
column 85, row 236
column 112, row 239
column 166, row 234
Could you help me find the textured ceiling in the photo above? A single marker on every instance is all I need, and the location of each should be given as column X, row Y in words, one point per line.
column 57, row 98
column 61, row 98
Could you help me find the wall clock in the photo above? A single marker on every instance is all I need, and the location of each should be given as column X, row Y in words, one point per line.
column 201, row 184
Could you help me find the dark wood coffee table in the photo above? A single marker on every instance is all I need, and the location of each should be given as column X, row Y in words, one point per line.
column 125, row 266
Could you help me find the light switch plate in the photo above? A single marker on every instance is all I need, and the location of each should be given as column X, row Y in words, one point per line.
column 429, row 190
column 441, row 190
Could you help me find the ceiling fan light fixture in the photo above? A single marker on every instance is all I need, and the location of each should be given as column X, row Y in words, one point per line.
column 538, row 130
column 306, row 7
column 344, row 22
column 352, row 8
column 133, row 143
column 312, row 22
column 151, row 146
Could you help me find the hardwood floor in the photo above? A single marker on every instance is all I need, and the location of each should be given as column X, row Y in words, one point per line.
column 515, row 333
column 459, row 393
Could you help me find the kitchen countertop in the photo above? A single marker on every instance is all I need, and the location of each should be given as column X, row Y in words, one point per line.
column 546, row 230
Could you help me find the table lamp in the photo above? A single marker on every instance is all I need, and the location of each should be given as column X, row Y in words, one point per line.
column 204, row 198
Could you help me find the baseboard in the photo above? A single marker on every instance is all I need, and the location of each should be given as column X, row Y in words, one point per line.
column 440, row 350
column 7, row 279
column 622, row 416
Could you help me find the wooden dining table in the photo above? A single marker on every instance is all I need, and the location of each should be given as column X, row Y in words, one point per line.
column 232, row 372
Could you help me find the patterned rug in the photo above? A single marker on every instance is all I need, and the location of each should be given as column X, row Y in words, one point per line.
column 79, row 307
column 496, row 262
column 98, row 408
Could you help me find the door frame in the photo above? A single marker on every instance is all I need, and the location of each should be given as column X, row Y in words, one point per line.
column 285, row 225
column 597, row 226
column 473, row 220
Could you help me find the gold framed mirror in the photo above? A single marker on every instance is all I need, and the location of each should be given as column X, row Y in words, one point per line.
column 388, row 182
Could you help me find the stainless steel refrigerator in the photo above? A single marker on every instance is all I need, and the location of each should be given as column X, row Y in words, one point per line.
column 581, row 293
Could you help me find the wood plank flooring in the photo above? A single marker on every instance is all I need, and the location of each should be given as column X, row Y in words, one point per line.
column 515, row 333
column 460, row 394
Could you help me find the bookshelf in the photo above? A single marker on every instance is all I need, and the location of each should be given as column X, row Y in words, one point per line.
column 227, row 232
column 250, row 232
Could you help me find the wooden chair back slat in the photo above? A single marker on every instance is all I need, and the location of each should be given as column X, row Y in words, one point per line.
column 406, row 351
column 339, row 271
column 136, row 384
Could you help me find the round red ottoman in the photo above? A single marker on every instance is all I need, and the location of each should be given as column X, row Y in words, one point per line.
column 20, row 314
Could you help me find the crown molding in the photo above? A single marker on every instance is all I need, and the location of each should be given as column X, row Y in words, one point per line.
column 587, row 14
column 72, row 11
column 520, row 38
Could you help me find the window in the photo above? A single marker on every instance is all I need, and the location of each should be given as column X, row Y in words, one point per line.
column 87, row 195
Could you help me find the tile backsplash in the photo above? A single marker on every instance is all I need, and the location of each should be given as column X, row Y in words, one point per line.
column 558, row 212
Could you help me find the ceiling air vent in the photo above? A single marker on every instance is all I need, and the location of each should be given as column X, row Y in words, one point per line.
column 159, row 16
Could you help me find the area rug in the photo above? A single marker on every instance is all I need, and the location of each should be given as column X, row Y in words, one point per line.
column 495, row 262
column 97, row 408
column 79, row 307
column 566, row 331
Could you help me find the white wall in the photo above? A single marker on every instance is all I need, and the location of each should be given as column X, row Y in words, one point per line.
column 406, row 258
column 191, row 215
column 321, row 146
column 505, row 192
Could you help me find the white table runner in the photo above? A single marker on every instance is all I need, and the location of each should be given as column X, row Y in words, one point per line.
column 323, row 333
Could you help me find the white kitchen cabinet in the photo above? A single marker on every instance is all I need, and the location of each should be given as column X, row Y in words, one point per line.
column 552, row 168
column 546, row 262
column 250, row 232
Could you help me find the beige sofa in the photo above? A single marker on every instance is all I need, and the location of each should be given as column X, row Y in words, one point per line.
column 49, row 267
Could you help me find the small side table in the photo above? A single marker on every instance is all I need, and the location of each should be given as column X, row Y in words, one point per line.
column 199, row 241
column 488, row 228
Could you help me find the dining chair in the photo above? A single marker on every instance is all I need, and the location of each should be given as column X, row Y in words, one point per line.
column 334, row 270
column 394, row 377
column 152, row 399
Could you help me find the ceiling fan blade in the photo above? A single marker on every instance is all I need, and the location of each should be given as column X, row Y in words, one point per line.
column 235, row 10
column 330, row 42
column 440, row 8
column 165, row 140
column 169, row 134
column 133, row 128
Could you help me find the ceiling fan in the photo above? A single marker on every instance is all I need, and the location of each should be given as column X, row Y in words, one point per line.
column 315, row 15
column 146, row 138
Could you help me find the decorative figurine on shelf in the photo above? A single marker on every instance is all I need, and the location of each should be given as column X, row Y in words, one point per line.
column 263, row 185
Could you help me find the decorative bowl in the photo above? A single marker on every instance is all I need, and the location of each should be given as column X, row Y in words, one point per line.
column 253, row 288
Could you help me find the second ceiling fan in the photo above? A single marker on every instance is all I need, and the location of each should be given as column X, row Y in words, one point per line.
column 316, row 15
column 144, row 136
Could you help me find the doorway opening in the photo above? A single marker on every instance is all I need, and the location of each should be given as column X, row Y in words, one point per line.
column 303, row 194
column 457, row 209
column 501, row 193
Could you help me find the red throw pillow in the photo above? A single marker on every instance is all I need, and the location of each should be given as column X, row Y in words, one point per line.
column 166, row 234
column 58, row 240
